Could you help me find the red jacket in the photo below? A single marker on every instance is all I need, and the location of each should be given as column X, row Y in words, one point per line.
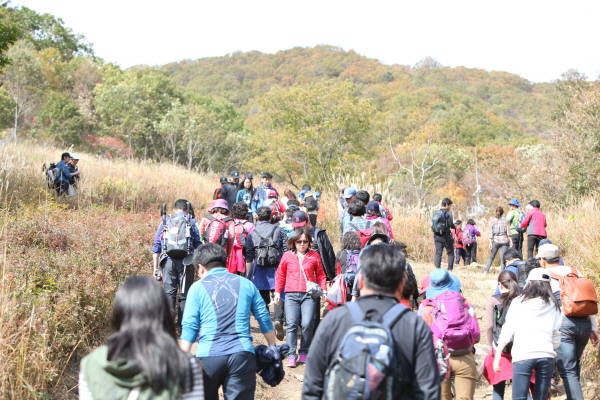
column 457, row 234
column 535, row 222
column 289, row 278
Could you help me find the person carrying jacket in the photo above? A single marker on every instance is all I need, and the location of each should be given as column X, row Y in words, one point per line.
column 177, row 274
column 299, row 268
column 218, row 317
column 441, row 225
column 535, row 223
column 381, row 282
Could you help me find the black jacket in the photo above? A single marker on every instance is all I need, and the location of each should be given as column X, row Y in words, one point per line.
column 419, row 378
column 323, row 245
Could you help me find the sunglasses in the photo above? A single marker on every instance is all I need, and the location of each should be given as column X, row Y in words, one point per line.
column 302, row 242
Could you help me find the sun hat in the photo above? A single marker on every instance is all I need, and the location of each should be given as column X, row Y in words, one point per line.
column 74, row 156
column 349, row 192
column 514, row 202
column 440, row 280
column 548, row 251
column 219, row 203
column 299, row 219
column 538, row 274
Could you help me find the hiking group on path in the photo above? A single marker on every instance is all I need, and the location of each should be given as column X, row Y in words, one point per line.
column 359, row 320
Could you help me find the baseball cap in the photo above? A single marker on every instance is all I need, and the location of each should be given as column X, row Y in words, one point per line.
column 349, row 192
column 74, row 156
column 299, row 219
column 373, row 206
column 514, row 202
column 235, row 174
column 538, row 274
column 548, row 252
column 266, row 175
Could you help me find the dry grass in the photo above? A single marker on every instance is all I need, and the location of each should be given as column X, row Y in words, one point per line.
column 62, row 261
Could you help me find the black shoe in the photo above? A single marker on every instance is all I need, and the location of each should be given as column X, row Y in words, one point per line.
column 279, row 331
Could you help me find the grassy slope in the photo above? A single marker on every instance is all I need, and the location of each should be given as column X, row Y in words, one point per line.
column 63, row 261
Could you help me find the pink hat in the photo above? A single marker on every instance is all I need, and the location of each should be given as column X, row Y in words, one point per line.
column 219, row 203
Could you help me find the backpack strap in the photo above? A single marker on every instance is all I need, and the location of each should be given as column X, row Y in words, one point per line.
column 393, row 315
column 356, row 312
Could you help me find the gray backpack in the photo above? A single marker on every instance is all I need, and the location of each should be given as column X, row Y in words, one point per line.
column 177, row 238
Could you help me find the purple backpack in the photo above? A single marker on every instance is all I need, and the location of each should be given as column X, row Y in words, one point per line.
column 452, row 322
column 469, row 235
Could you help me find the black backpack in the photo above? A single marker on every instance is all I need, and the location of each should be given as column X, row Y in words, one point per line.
column 267, row 254
column 439, row 223
column 365, row 365
column 523, row 268
column 499, row 319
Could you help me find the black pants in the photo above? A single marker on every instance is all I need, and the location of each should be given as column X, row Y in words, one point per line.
column 460, row 253
column 517, row 243
column 177, row 279
column 266, row 296
column 471, row 250
column 312, row 218
column 235, row 372
column 441, row 243
column 533, row 242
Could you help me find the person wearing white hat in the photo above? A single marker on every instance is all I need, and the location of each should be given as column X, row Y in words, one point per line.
column 532, row 325
column 575, row 332
column 74, row 174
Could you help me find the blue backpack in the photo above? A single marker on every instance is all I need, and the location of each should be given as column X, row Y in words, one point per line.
column 365, row 365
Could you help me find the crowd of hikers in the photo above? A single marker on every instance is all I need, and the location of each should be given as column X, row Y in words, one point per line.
column 359, row 320
column 63, row 177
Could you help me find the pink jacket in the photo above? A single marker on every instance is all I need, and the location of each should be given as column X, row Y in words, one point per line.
column 384, row 221
column 535, row 222
column 289, row 278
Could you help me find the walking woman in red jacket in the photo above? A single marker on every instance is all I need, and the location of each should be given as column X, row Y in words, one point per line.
column 301, row 277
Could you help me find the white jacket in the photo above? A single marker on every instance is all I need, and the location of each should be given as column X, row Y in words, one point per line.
column 533, row 326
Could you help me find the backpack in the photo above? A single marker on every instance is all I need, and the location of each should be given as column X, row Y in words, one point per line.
column 578, row 296
column 238, row 240
column 236, row 262
column 350, row 266
column 363, row 234
column 468, row 236
column 177, row 238
column 497, row 323
column 427, row 311
column 267, row 255
column 337, row 292
column 523, row 268
column 365, row 364
column 439, row 223
column 216, row 231
column 452, row 322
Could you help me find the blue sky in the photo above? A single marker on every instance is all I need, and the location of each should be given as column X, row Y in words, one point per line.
column 538, row 40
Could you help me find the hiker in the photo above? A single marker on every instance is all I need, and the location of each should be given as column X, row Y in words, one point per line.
column 348, row 195
column 287, row 196
column 214, row 226
column 514, row 218
column 310, row 202
column 235, row 179
column 238, row 231
column 140, row 359
column 499, row 239
column 63, row 174
column 230, row 188
column 514, row 264
column 577, row 326
column 535, row 223
column 246, row 192
column 498, row 305
column 459, row 247
column 74, row 172
column 410, row 292
column 532, row 324
column 264, row 248
column 455, row 332
column 355, row 217
column 301, row 277
column 219, row 193
column 373, row 214
column 406, row 372
column 217, row 315
column 469, row 239
column 347, row 259
column 441, row 225
column 277, row 207
column 261, row 193
column 378, row 235
column 172, row 258
column 320, row 243
column 286, row 223
column 385, row 212
column 561, row 261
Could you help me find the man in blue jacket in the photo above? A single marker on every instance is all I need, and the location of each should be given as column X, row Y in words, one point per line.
column 64, row 174
column 218, row 314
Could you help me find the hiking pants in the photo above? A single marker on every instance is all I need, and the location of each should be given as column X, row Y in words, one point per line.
column 574, row 336
column 464, row 374
column 312, row 218
column 177, row 278
column 235, row 372
column 496, row 248
column 517, row 243
column 471, row 250
column 533, row 242
column 299, row 310
column 458, row 254
column 441, row 243
column 522, row 371
column 266, row 296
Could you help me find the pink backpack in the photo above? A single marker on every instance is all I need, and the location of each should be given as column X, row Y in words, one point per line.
column 452, row 321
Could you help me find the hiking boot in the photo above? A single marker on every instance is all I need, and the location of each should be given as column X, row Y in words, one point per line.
column 291, row 361
column 302, row 358
column 279, row 331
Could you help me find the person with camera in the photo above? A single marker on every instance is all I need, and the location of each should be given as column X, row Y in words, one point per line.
column 301, row 277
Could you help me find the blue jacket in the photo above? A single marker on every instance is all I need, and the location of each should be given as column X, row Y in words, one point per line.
column 260, row 196
column 217, row 311
column 64, row 172
column 157, row 243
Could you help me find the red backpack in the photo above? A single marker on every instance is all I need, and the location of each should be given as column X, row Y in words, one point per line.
column 216, row 231
column 236, row 262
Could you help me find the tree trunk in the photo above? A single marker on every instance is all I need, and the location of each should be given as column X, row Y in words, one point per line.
column 14, row 134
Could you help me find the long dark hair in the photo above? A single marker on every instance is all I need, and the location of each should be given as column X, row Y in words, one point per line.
column 509, row 281
column 540, row 289
column 144, row 332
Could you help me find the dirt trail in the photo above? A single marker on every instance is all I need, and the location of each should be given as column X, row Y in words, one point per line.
column 477, row 287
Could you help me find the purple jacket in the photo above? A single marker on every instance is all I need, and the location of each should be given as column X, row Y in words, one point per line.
column 472, row 229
